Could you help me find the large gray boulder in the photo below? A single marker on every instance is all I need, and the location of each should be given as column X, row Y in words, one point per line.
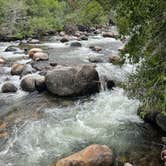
column 73, row 81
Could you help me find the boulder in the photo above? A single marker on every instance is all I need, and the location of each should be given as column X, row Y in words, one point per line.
column 2, row 61
column 128, row 164
column 40, row 83
column 110, row 84
column 40, row 56
column 161, row 121
column 95, row 48
column 34, row 41
column 28, row 83
column 84, row 38
column 32, row 51
column 95, row 59
column 116, row 60
column 62, row 33
column 27, row 70
column 8, row 87
column 109, row 34
column 43, row 66
column 82, row 28
column 73, row 81
column 77, row 34
column 17, row 69
column 75, row 44
column 94, row 155
column 12, row 49
column 64, row 39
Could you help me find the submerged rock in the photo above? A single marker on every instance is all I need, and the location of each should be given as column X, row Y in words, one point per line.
column 95, row 59
column 73, row 81
column 12, row 49
column 75, row 44
column 84, row 38
column 95, row 48
column 8, row 87
column 17, row 69
column 93, row 155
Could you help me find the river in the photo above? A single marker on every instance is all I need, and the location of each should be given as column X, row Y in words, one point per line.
column 42, row 129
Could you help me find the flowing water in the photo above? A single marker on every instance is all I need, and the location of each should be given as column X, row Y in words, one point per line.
column 41, row 129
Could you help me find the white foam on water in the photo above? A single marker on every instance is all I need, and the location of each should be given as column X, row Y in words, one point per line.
column 97, row 121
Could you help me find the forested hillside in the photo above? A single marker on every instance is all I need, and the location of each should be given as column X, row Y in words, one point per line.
column 31, row 17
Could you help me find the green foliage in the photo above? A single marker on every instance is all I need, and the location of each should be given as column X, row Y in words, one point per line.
column 93, row 14
column 31, row 17
column 144, row 21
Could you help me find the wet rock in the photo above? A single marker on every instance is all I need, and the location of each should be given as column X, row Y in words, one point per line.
column 75, row 44
column 40, row 83
column 8, row 87
column 17, row 69
column 2, row 61
column 128, row 164
column 12, row 49
column 34, row 41
column 163, row 139
column 64, row 39
column 62, row 33
column 96, row 32
column 28, row 83
column 94, row 155
column 32, row 51
column 82, row 28
column 70, row 29
column 109, row 34
column 116, row 60
column 84, row 38
column 110, row 84
column 95, row 59
column 161, row 121
column 163, row 154
column 77, row 34
column 73, row 81
column 38, row 56
column 43, row 66
column 3, row 134
column 27, row 70
column 95, row 48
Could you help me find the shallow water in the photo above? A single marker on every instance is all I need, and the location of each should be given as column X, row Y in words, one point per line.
column 42, row 129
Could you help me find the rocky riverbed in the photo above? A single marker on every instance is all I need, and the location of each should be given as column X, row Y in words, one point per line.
column 60, row 95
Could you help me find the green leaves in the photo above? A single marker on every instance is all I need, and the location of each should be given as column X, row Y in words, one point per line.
column 144, row 21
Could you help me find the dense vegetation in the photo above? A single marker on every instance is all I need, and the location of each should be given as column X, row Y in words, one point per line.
column 30, row 17
column 143, row 20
